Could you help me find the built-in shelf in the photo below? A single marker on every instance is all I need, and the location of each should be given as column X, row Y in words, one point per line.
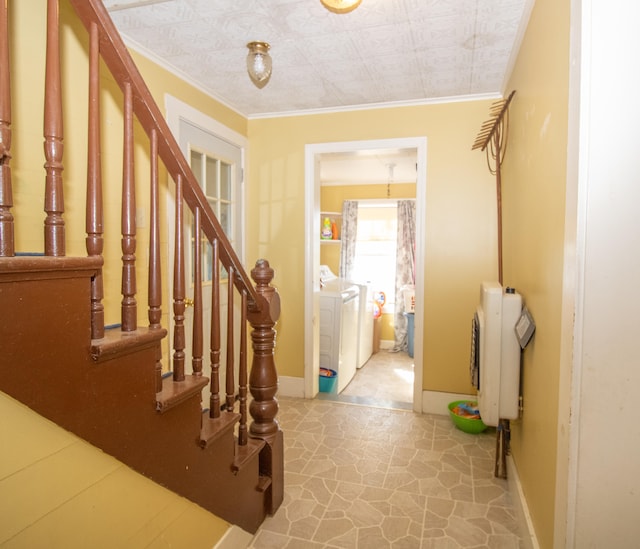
column 337, row 217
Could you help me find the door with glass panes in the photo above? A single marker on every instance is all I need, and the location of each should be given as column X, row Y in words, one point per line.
column 217, row 166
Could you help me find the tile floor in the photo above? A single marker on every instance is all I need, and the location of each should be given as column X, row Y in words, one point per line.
column 386, row 380
column 380, row 477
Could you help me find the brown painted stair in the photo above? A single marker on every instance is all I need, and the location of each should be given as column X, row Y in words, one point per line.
column 104, row 390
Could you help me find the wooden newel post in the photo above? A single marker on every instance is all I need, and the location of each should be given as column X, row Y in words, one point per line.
column 263, row 380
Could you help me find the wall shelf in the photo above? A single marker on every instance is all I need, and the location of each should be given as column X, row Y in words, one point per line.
column 335, row 217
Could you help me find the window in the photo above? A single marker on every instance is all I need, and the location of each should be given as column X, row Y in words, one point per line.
column 376, row 241
column 216, row 179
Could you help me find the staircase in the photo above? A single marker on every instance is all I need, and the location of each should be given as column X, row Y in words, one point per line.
column 108, row 384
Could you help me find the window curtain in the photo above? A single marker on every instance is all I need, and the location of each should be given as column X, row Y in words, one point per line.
column 348, row 238
column 405, row 268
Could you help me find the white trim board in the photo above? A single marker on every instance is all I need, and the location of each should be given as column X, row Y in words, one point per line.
column 289, row 386
column 234, row 538
column 436, row 402
column 523, row 517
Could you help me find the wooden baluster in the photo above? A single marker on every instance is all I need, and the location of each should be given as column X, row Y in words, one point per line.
column 242, row 375
column 94, row 215
column 196, row 345
column 263, row 381
column 230, row 385
column 178, row 289
column 214, row 399
column 7, row 240
column 54, row 237
column 129, row 308
column 155, row 278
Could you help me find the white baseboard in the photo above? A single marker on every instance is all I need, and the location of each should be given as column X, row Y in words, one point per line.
column 387, row 343
column 435, row 402
column 520, row 506
column 234, row 538
column 291, row 386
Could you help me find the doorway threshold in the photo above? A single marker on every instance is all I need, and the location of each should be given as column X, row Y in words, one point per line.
column 371, row 402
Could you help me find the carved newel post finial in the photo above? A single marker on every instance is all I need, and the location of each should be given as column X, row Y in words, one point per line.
column 263, row 380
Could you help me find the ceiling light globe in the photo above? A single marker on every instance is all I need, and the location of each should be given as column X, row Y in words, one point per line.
column 259, row 63
column 341, row 6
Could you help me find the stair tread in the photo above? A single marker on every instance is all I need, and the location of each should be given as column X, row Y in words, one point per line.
column 36, row 267
column 213, row 428
column 175, row 392
column 116, row 342
column 263, row 483
column 245, row 453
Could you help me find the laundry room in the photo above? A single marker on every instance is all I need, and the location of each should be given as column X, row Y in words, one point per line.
column 367, row 276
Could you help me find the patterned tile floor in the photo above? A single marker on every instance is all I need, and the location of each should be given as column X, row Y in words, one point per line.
column 374, row 477
column 385, row 380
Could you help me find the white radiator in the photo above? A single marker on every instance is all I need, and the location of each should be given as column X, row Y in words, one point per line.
column 495, row 353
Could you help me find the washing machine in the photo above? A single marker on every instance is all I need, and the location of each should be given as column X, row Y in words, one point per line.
column 339, row 317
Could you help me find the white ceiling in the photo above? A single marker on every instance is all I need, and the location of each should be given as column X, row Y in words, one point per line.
column 369, row 167
column 384, row 52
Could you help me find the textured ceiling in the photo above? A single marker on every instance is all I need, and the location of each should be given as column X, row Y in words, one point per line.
column 386, row 51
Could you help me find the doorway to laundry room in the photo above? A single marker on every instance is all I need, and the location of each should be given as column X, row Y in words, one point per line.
column 360, row 196
column 376, row 244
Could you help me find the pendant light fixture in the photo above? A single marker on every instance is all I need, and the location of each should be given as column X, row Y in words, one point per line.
column 341, row 6
column 259, row 63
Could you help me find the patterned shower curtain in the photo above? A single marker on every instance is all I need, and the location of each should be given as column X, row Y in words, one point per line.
column 348, row 237
column 405, row 267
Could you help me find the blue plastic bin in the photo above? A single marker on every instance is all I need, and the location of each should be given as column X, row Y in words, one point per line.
column 328, row 380
column 410, row 318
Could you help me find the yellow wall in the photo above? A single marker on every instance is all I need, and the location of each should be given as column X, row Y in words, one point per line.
column 460, row 221
column 534, row 184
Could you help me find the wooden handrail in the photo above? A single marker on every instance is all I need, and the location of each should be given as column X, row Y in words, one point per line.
column 117, row 58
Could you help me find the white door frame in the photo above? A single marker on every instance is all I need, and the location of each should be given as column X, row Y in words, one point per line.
column 176, row 110
column 312, row 254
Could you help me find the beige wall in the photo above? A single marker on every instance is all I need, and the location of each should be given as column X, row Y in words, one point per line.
column 460, row 221
column 534, row 186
